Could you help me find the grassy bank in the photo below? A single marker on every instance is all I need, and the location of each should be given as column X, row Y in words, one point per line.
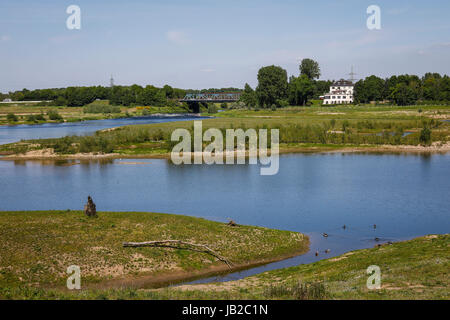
column 37, row 247
column 14, row 114
column 414, row 269
column 301, row 129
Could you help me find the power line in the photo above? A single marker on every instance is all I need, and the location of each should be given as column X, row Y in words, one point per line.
column 352, row 75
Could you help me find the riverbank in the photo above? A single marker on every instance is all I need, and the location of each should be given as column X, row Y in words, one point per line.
column 38, row 246
column 31, row 114
column 413, row 269
column 311, row 129
column 49, row 154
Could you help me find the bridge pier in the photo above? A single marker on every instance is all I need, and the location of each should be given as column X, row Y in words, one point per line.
column 194, row 106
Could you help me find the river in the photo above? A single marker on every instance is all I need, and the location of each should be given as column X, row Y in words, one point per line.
column 405, row 195
column 14, row 133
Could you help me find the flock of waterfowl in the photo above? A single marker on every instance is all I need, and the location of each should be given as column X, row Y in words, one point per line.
column 325, row 235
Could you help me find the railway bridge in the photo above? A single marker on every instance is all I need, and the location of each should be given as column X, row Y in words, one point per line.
column 195, row 99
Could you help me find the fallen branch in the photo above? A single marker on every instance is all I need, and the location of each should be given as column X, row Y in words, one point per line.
column 176, row 244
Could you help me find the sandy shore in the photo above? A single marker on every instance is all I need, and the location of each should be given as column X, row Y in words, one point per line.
column 165, row 279
column 49, row 154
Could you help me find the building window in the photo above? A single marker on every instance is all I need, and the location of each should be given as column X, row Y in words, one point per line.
column 343, row 97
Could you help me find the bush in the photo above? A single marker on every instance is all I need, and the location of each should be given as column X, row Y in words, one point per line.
column 282, row 103
column 31, row 118
column 425, row 136
column 39, row 117
column 212, row 108
column 54, row 115
column 11, row 117
column 101, row 108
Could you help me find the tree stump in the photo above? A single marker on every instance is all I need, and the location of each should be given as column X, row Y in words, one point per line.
column 89, row 209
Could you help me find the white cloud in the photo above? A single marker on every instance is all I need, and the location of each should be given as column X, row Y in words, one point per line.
column 178, row 37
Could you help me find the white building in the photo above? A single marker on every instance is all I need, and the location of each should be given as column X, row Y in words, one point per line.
column 341, row 92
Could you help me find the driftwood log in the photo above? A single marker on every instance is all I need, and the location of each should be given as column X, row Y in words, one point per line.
column 178, row 244
column 232, row 224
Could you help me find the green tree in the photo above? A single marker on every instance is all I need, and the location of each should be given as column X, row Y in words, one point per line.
column 272, row 85
column 403, row 95
column 310, row 68
column 54, row 115
column 11, row 117
column 152, row 96
column 212, row 108
column 169, row 92
column 300, row 90
column 425, row 135
column 249, row 96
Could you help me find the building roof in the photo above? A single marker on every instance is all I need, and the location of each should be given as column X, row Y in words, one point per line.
column 342, row 83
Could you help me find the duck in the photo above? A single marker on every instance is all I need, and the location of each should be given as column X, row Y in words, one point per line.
column 344, row 227
column 377, row 239
column 317, row 253
column 325, row 235
column 327, row 251
column 374, row 226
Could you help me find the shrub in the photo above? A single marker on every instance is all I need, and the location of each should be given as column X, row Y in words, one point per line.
column 39, row 117
column 54, row 115
column 11, row 117
column 100, row 108
column 332, row 123
column 425, row 135
column 31, row 118
column 212, row 108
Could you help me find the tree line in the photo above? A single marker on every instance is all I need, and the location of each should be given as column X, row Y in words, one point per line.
column 275, row 89
column 404, row 89
column 117, row 95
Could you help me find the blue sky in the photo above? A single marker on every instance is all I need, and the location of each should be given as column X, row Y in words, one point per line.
column 209, row 43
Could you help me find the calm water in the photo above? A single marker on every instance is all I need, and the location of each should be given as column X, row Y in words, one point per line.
column 404, row 195
column 10, row 134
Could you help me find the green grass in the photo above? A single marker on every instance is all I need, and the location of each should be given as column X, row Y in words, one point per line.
column 37, row 247
column 414, row 269
column 318, row 127
column 97, row 110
